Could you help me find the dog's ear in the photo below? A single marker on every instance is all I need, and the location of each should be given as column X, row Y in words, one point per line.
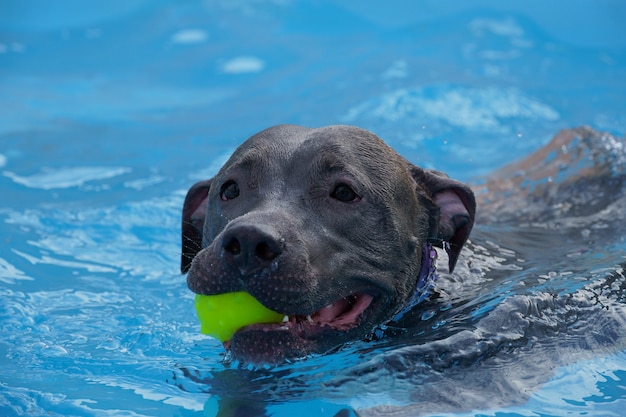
column 457, row 209
column 194, row 213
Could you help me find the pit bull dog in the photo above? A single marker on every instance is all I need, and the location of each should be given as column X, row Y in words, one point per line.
column 328, row 226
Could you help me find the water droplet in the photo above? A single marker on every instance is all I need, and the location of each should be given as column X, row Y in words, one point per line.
column 427, row 315
column 109, row 344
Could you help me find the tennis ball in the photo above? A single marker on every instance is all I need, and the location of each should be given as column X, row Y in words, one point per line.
column 223, row 314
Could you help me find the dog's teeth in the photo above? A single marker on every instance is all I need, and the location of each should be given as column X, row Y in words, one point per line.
column 285, row 319
column 309, row 318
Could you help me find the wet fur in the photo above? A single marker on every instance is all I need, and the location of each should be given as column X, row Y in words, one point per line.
column 328, row 248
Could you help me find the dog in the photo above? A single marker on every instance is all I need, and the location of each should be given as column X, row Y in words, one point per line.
column 328, row 226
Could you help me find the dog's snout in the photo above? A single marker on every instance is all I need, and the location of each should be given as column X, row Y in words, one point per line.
column 266, row 252
column 250, row 248
column 233, row 247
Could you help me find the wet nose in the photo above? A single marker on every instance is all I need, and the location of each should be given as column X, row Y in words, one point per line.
column 250, row 248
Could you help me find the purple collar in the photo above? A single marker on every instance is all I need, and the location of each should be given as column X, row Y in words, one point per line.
column 425, row 281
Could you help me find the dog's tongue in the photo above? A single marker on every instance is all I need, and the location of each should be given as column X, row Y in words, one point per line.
column 343, row 314
column 344, row 311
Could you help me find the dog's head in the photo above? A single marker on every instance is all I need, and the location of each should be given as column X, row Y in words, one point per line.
column 326, row 226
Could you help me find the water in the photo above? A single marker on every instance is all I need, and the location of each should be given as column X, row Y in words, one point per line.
column 109, row 113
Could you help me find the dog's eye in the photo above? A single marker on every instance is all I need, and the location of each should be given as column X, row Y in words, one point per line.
column 229, row 191
column 344, row 193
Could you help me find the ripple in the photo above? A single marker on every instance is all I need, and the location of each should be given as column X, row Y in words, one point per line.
column 190, row 36
column 9, row 274
column 66, row 178
column 464, row 107
column 243, row 65
column 49, row 260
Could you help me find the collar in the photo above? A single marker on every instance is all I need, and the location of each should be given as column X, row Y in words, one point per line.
column 427, row 277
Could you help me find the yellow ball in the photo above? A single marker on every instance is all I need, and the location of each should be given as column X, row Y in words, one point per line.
column 223, row 314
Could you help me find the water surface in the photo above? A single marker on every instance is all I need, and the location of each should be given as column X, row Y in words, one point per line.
column 111, row 112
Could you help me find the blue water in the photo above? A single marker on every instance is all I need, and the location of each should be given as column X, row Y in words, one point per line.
column 111, row 110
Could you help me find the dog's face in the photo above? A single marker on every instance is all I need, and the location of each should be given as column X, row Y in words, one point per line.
column 326, row 226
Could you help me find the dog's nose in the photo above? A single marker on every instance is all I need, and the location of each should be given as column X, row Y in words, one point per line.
column 250, row 248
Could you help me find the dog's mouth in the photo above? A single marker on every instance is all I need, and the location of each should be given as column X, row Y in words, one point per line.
column 343, row 315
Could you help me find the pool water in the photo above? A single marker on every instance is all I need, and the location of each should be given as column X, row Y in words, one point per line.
column 110, row 111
